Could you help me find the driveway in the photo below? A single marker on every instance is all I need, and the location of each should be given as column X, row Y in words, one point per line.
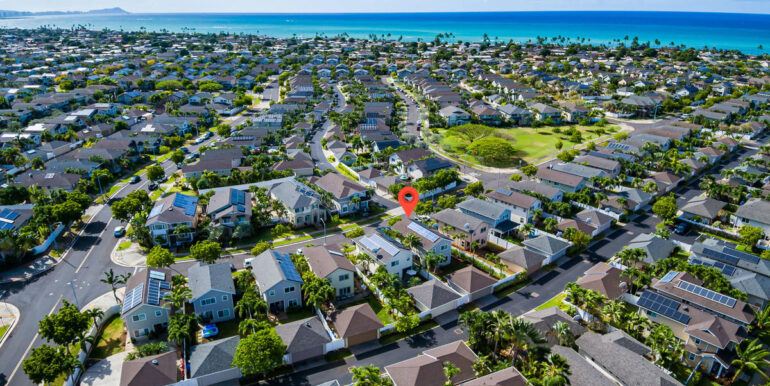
column 106, row 372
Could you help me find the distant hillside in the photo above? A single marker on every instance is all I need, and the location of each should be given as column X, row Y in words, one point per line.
column 106, row 11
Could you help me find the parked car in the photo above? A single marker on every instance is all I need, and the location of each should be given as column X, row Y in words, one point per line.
column 232, row 267
column 682, row 228
column 179, row 165
column 210, row 330
column 184, row 149
column 152, row 186
column 248, row 263
column 135, row 179
column 119, row 231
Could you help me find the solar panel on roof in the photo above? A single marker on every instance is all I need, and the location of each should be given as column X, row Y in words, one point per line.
column 8, row 214
column 288, row 268
column 5, row 226
column 156, row 210
column 432, row 237
column 153, row 292
column 133, row 298
column 384, row 244
column 662, row 305
column 707, row 293
column 721, row 256
column 237, row 197
column 504, row 191
column 741, row 255
column 188, row 203
column 728, row 270
column 157, row 275
column 669, row 276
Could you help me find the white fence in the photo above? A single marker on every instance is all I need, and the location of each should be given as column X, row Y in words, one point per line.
column 503, row 243
column 94, row 330
column 584, row 206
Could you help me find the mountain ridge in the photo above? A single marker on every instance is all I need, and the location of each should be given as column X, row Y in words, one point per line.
column 104, row 11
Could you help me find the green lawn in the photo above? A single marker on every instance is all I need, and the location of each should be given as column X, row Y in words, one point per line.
column 112, row 340
column 531, row 144
column 555, row 301
column 3, row 329
column 298, row 315
column 124, row 245
column 226, row 330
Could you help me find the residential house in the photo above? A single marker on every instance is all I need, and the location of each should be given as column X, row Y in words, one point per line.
column 212, row 362
column 582, row 372
column 754, row 212
column 545, row 319
column 229, row 208
column 426, row 167
column 435, row 296
column 454, row 115
column 654, row 247
column 329, row 263
column 703, row 209
column 304, row 339
column 548, row 245
column 357, row 324
column 471, row 281
column 528, row 187
column 463, row 228
column 348, row 197
column 303, row 204
column 384, row 251
column 610, row 167
column 428, row 369
column 173, row 219
column 153, row 370
column 401, row 158
column 144, row 308
column 212, row 291
column 498, row 216
column 567, row 183
column 606, row 280
column 430, row 241
column 521, row 206
column 522, row 259
column 278, row 280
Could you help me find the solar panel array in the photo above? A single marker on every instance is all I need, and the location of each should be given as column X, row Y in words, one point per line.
column 133, row 298
column 619, row 146
column 158, row 275
column 728, row 270
column 663, row 306
column 384, row 244
column 730, row 256
column 432, row 237
column 158, row 209
column 153, row 292
column 707, row 293
column 237, row 197
column 505, row 192
column 188, row 203
column 288, row 268
column 669, row 276
column 8, row 214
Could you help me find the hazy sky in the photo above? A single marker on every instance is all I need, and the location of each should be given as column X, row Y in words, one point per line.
column 297, row 6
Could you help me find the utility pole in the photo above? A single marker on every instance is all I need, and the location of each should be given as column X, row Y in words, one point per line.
column 324, row 222
column 99, row 180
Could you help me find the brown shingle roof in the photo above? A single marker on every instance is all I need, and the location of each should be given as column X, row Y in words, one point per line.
column 356, row 320
column 471, row 279
column 146, row 372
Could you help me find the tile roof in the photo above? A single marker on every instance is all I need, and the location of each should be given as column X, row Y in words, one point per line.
column 324, row 260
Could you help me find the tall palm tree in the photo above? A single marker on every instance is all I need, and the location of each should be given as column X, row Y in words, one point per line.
column 523, row 335
column 113, row 280
column 498, row 328
column 318, row 292
column 411, row 241
column 251, row 305
column 614, row 310
column 563, row 333
column 750, row 358
column 96, row 314
column 556, row 370
column 177, row 298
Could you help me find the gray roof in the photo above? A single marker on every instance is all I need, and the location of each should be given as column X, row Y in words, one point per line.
column 456, row 219
column 621, row 356
column 212, row 357
column 545, row 319
column 270, row 271
column 656, row 248
column 432, row 293
column 704, row 206
column 755, row 209
column 546, row 243
column 582, row 372
column 294, row 194
column 536, row 187
column 483, row 208
column 593, row 217
column 303, row 334
column 597, row 162
column 578, row 169
column 523, row 257
column 206, row 277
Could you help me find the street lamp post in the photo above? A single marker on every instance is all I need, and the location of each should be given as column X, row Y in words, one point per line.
column 324, row 222
column 99, row 180
column 72, row 285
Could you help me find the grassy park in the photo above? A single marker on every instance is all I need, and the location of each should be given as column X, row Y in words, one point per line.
column 529, row 144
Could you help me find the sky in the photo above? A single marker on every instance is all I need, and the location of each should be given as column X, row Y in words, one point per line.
column 320, row 6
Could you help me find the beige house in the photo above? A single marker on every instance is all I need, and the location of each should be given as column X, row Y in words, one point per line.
column 329, row 263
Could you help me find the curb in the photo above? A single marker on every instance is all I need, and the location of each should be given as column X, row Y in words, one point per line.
column 17, row 315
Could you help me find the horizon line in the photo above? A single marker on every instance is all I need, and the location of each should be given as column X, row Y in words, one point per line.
column 86, row 12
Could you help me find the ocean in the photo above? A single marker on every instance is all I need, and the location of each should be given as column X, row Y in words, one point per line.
column 744, row 32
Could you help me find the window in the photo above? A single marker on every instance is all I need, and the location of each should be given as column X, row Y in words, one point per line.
column 159, row 313
column 224, row 298
column 206, row 302
column 271, row 293
column 344, row 291
column 394, row 263
column 223, row 313
column 697, row 341
column 139, row 318
column 293, row 303
column 691, row 357
column 288, row 289
column 651, row 314
column 344, row 277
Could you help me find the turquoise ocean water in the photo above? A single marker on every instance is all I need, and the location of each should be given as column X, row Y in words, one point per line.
column 745, row 32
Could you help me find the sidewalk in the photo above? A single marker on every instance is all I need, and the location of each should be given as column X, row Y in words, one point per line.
column 129, row 257
column 9, row 315
column 107, row 371
column 28, row 271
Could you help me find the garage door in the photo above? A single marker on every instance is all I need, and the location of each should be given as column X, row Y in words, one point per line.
column 362, row 338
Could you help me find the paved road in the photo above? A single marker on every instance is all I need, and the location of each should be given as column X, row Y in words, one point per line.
column 84, row 265
column 272, row 92
column 544, row 286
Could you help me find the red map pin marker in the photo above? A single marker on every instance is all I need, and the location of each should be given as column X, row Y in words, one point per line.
column 408, row 204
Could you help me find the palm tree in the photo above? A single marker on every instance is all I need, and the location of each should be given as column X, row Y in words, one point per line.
column 177, row 298
column 318, row 292
column 247, row 326
column 113, row 281
column 411, row 241
column 250, row 305
column 563, row 333
column 614, row 310
column 523, row 336
column 96, row 314
column 556, row 370
column 482, row 366
column 762, row 321
column 450, row 370
column 498, row 328
column 750, row 358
